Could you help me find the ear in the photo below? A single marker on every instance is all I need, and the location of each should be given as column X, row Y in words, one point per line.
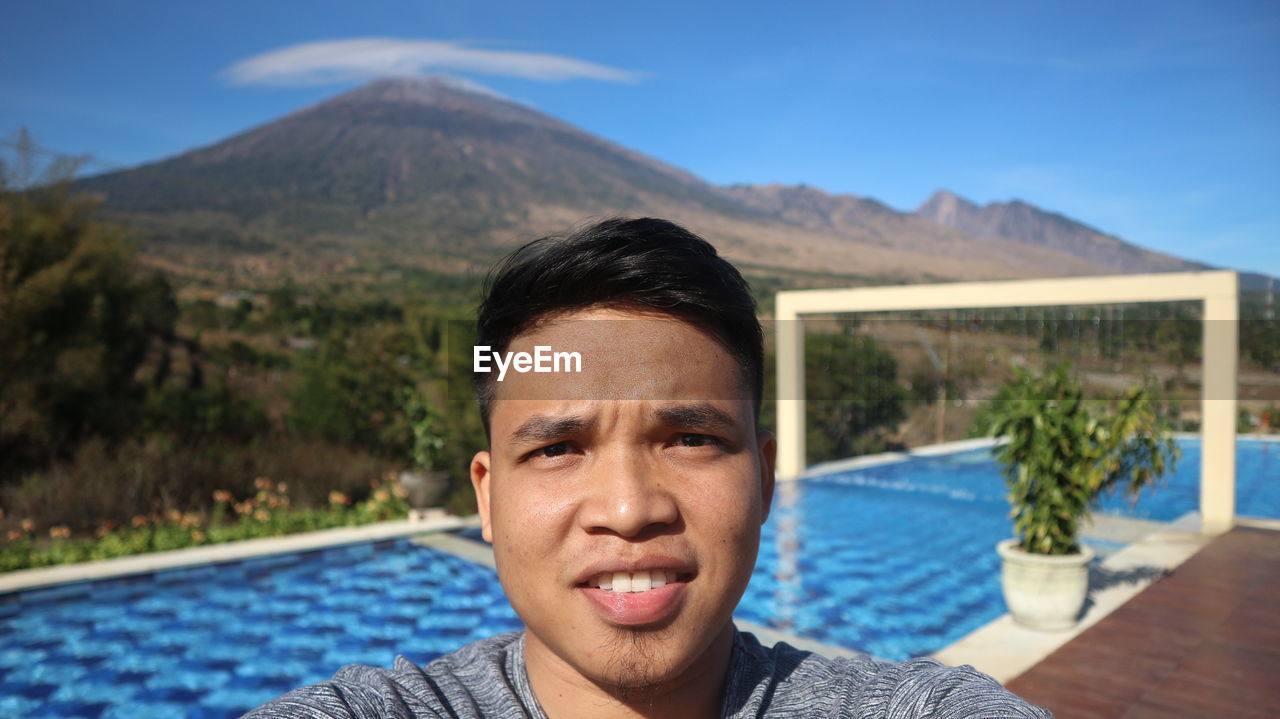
column 768, row 458
column 481, row 477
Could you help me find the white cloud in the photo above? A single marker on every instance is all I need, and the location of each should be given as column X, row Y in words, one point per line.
column 333, row 61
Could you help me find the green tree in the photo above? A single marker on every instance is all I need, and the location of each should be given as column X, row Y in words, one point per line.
column 76, row 317
column 852, row 391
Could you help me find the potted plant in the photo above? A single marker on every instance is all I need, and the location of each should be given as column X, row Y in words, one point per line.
column 1061, row 455
column 427, row 485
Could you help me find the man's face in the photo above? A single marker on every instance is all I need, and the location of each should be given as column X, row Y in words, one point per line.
column 644, row 469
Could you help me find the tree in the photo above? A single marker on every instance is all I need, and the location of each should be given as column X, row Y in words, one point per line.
column 76, row 318
column 852, row 391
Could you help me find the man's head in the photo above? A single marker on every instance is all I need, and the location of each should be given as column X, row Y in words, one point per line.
column 645, row 468
column 647, row 264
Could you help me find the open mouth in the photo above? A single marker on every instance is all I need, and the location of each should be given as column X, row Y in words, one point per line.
column 632, row 582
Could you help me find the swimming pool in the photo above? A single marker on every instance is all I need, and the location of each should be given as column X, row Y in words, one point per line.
column 215, row 641
column 896, row 560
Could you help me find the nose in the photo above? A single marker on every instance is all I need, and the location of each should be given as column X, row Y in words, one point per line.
column 628, row 497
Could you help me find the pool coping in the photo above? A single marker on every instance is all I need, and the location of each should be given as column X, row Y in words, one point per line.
column 27, row 579
column 883, row 458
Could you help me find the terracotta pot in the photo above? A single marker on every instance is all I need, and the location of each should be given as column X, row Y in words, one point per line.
column 1042, row 591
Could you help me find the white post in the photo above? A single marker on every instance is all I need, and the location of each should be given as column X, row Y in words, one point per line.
column 1218, row 405
column 790, row 360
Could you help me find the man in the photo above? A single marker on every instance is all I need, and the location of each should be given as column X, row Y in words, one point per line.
column 623, row 495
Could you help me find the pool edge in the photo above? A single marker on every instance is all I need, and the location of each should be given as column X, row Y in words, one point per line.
column 27, row 579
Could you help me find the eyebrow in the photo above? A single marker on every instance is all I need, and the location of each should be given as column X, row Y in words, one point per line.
column 544, row 428
column 696, row 416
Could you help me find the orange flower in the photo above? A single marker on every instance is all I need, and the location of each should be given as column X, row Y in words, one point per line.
column 222, row 495
column 28, row 525
column 261, row 515
column 60, row 532
column 282, row 488
column 244, row 507
column 336, row 497
column 15, row 535
column 139, row 521
column 197, row 536
column 262, row 483
column 381, row 496
column 173, row 515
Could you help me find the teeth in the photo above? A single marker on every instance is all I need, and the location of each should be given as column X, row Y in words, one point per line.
column 633, row 581
column 621, row 582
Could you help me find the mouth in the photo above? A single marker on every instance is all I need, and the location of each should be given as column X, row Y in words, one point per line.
column 635, row 582
column 635, row 597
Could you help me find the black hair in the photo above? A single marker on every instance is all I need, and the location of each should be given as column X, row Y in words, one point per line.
column 645, row 262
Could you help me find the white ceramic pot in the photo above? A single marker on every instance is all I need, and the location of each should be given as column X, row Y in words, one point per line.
column 1042, row 591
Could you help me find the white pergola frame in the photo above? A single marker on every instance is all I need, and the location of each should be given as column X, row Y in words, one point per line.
column 1218, row 290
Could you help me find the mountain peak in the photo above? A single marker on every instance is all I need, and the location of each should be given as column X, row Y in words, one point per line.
column 946, row 208
column 422, row 89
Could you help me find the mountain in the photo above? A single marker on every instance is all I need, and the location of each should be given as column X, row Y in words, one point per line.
column 1028, row 224
column 432, row 163
column 444, row 175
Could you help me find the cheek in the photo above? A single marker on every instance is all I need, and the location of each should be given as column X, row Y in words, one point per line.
column 728, row 507
column 527, row 517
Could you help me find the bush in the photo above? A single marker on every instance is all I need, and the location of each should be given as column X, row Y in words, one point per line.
column 155, row 475
column 267, row 512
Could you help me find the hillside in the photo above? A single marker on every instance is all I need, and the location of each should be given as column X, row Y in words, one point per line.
column 440, row 175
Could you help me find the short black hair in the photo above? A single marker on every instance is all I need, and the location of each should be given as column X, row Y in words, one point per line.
column 641, row 262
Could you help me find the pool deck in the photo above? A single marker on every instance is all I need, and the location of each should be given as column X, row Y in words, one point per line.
column 1203, row 641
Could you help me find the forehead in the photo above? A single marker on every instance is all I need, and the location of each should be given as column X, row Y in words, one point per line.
column 622, row 356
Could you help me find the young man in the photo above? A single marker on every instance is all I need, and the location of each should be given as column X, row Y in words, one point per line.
column 623, row 495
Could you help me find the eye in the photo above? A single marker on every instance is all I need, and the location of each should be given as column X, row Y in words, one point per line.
column 551, row 451
column 689, row 439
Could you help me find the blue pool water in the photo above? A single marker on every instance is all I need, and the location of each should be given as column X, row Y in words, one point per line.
column 896, row 560
column 215, row 641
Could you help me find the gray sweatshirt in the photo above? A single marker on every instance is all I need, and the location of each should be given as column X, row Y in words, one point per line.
column 488, row 679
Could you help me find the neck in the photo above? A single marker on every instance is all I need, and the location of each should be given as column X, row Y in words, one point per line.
column 697, row 692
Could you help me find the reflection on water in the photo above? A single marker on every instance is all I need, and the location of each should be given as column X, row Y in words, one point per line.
column 789, row 587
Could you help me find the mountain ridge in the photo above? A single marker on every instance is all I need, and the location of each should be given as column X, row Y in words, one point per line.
column 437, row 173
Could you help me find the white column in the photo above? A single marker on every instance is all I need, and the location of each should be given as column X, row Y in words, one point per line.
column 1218, row 405
column 790, row 361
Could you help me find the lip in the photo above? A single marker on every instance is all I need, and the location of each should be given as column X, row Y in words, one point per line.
column 637, row 608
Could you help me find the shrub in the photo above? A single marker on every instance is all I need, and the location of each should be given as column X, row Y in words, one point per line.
column 1062, row 454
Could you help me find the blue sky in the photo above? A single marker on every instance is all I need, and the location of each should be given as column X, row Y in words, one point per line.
column 1155, row 121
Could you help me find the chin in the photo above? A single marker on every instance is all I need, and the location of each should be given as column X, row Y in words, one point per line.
column 641, row 661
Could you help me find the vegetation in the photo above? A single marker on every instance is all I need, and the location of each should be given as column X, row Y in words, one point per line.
column 269, row 512
column 125, row 396
column 1063, row 452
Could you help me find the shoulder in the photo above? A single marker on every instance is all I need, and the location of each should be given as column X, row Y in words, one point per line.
column 471, row 682
column 863, row 687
